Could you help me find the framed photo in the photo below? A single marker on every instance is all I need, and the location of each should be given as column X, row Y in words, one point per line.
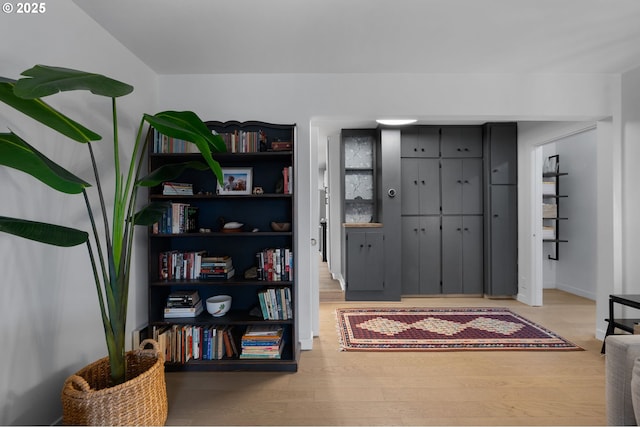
column 236, row 181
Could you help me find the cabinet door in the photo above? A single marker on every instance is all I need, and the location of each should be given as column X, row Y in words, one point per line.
column 410, row 256
column 471, row 186
column 462, row 255
column 461, row 186
column 420, row 141
column 452, row 254
column 503, row 244
column 420, row 255
column 430, row 256
column 365, row 268
column 503, row 151
column 461, row 141
column 420, row 186
column 472, row 255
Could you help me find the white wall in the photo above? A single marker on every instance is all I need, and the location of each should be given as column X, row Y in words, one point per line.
column 49, row 313
column 576, row 267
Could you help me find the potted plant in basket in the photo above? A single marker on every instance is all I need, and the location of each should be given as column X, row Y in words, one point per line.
column 110, row 239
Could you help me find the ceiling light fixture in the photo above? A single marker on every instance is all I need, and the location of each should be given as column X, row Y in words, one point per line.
column 396, row 122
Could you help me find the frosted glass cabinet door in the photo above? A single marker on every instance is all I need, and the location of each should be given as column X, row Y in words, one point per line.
column 358, row 175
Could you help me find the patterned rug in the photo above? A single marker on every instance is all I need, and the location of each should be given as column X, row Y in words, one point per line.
column 442, row 329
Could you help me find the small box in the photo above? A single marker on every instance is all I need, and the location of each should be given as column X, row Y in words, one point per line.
column 281, row 145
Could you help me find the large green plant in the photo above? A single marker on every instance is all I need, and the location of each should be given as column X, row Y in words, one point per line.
column 110, row 239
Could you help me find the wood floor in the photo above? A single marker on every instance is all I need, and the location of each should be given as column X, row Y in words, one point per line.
column 412, row 388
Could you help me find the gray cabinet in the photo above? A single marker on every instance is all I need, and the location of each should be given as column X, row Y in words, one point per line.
column 461, row 141
column 420, row 141
column 364, row 261
column 461, row 186
column 420, row 180
column 421, row 256
column 462, row 256
column 501, row 215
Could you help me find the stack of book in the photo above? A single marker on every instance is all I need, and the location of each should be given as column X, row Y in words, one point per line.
column 177, row 189
column 216, row 267
column 183, row 304
column 262, row 342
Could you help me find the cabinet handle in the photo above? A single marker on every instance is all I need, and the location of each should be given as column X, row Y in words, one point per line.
column 459, row 149
column 458, row 229
column 423, row 230
column 415, row 182
column 459, row 181
column 495, row 215
column 466, row 229
column 423, row 182
column 415, row 149
column 466, row 149
column 415, row 229
column 369, row 245
column 362, row 246
column 422, row 150
column 495, row 170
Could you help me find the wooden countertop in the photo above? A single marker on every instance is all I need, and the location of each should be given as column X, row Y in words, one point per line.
column 362, row 224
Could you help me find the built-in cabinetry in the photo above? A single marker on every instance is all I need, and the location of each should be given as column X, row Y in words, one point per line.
column 262, row 257
column 551, row 195
column 447, row 202
column 501, row 209
column 441, row 210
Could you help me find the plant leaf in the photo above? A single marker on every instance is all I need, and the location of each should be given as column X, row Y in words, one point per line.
column 44, row 80
column 151, row 213
column 169, row 172
column 42, row 112
column 44, row 233
column 188, row 126
column 18, row 154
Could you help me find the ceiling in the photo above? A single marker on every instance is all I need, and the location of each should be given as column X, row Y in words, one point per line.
column 375, row 36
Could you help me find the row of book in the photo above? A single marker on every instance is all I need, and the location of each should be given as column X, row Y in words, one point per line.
column 193, row 265
column 166, row 144
column 262, row 342
column 275, row 304
column 275, row 264
column 241, row 141
column 181, row 343
column 176, row 219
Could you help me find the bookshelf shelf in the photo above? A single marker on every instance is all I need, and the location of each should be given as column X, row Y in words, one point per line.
column 205, row 237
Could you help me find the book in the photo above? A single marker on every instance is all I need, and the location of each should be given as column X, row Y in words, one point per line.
column 174, row 312
column 186, row 298
column 177, row 188
column 208, row 276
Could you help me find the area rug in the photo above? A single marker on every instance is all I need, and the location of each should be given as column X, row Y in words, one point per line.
column 442, row 329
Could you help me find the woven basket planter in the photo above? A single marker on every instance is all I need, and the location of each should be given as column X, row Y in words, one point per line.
column 87, row 398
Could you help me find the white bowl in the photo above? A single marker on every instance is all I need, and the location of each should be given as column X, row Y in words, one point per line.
column 218, row 305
